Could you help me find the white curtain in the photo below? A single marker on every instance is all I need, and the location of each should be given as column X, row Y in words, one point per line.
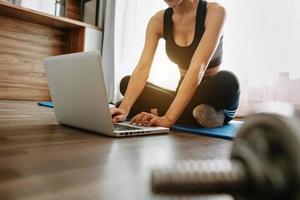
column 107, row 21
column 261, row 46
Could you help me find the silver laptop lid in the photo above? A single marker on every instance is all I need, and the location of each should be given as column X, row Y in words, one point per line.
column 78, row 91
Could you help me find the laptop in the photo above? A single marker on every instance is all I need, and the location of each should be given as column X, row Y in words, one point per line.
column 78, row 92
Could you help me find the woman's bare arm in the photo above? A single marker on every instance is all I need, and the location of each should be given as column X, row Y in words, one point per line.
column 142, row 70
column 214, row 23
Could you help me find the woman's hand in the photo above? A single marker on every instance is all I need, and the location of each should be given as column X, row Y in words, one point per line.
column 118, row 114
column 149, row 119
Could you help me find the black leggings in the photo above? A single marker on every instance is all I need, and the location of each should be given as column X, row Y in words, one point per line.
column 220, row 91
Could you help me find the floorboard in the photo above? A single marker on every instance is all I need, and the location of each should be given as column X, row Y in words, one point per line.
column 40, row 159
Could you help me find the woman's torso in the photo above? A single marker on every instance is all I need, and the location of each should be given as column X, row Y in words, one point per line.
column 183, row 34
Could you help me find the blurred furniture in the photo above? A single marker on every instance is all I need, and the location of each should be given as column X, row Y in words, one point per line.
column 26, row 38
column 82, row 6
column 73, row 9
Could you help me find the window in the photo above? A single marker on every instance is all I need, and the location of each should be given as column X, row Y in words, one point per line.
column 47, row 6
column 261, row 46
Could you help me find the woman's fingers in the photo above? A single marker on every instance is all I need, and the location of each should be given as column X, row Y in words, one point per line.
column 137, row 118
column 142, row 118
column 117, row 119
column 145, row 119
column 153, row 121
column 133, row 119
column 116, row 111
column 113, row 110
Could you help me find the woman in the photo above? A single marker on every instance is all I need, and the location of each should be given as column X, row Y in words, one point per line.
column 193, row 33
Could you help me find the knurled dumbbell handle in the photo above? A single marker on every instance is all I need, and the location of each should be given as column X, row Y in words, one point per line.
column 200, row 177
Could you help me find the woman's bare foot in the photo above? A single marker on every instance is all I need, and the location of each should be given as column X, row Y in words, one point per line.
column 154, row 111
column 208, row 117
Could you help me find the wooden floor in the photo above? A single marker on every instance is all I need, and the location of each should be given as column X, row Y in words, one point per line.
column 40, row 159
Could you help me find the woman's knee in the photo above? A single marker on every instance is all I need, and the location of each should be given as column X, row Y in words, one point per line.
column 230, row 80
column 123, row 84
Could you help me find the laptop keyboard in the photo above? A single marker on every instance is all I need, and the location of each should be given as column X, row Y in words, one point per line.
column 118, row 127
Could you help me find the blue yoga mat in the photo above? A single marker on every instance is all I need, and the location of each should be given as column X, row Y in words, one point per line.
column 228, row 131
column 48, row 104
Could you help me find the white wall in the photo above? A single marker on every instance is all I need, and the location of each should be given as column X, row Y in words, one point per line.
column 92, row 39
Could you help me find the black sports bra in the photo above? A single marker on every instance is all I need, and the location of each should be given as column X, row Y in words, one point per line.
column 182, row 56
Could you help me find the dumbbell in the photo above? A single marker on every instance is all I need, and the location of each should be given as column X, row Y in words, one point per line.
column 264, row 162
